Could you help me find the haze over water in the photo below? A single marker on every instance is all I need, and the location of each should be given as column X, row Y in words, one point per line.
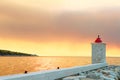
column 15, row 65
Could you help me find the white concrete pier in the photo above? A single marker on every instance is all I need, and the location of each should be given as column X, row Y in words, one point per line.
column 53, row 74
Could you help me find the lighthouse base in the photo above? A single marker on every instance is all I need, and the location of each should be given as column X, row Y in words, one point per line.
column 98, row 53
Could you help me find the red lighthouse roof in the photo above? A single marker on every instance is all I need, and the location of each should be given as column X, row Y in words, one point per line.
column 98, row 40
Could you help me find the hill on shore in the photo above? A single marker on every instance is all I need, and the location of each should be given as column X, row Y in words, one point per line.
column 12, row 53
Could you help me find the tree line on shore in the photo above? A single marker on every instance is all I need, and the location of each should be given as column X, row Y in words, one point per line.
column 11, row 53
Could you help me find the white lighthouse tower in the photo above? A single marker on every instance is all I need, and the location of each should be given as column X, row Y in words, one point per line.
column 98, row 51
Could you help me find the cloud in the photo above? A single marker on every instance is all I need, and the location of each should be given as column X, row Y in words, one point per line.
column 105, row 23
column 24, row 23
column 28, row 24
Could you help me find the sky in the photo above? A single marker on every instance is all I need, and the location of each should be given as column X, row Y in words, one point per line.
column 59, row 27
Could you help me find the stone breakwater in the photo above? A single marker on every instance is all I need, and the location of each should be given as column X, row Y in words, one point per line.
column 110, row 72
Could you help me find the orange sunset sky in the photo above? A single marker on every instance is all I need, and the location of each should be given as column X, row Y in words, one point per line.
column 59, row 27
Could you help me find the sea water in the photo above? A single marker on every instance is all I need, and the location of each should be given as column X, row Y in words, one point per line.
column 17, row 65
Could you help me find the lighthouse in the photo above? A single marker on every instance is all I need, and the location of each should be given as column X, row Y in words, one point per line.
column 98, row 51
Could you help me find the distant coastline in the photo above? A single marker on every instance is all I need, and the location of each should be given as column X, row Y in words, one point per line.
column 12, row 53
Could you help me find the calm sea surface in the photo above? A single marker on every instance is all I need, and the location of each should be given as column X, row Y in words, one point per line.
column 15, row 65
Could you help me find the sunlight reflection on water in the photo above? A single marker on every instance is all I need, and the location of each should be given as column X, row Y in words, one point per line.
column 15, row 65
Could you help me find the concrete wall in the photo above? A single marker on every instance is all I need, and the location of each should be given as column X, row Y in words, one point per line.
column 53, row 74
column 98, row 53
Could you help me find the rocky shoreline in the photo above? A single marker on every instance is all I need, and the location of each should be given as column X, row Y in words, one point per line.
column 110, row 72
